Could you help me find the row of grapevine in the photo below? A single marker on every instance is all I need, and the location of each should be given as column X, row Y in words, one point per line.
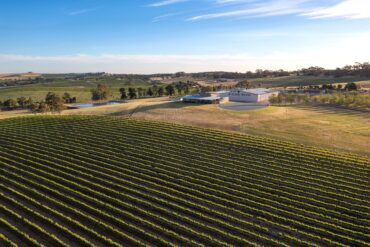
column 107, row 181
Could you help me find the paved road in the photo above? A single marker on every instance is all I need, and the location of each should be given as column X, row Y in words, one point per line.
column 243, row 106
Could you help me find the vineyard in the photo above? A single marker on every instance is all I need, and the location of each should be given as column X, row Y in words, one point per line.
column 109, row 181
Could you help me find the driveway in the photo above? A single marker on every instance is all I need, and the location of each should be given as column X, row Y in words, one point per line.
column 243, row 106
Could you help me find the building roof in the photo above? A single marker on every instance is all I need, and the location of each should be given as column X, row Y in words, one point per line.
column 199, row 97
column 254, row 90
column 220, row 91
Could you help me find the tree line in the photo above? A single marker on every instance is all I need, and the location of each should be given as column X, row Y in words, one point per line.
column 178, row 88
column 103, row 92
column 51, row 103
column 357, row 69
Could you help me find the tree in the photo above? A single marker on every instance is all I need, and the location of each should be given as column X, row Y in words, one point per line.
column 10, row 105
column 132, row 93
column 67, row 98
column 351, row 86
column 170, row 90
column 306, row 98
column 273, row 99
column 140, row 92
column 155, row 90
column 22, row 102
column 29, row 102
column 95, row 94
column 34, row 107
column 43, row 107
column 179, row 74
column 54, row 102
column 186, row 89
column 160, row 91
column 149, row 92
column 39, row 107
column 280, row 99
column 290, row 98
column 325, row 86
column 243, row 84
column 49, row 98
column 180, row 86
column 123, row 93
column 100, row 93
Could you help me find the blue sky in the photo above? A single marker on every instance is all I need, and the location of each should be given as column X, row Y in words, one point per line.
column 147, row 36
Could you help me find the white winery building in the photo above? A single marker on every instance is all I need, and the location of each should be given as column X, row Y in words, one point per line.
column 251, row 95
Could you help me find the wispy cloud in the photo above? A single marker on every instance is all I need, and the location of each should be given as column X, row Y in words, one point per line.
column 349, row 9
column 165, row 3
column 314, row 9
column 326, row 55
column 234, row 1
column 270, row 8
column 163, row 17
column 81, row 11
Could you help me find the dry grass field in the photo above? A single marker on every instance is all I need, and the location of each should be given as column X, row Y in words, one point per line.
column 81, row 89
column 333, row 128
column 15, row 77
column 11, row 114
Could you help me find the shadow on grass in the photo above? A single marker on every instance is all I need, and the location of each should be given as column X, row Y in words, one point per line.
column 145, row 108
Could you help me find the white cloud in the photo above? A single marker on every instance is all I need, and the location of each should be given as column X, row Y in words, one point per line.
column 165, row 2
column 270, row 8
column 234, row 1
column 346, row 49
column 163, row 17
column 349, row 9
column 81, row 11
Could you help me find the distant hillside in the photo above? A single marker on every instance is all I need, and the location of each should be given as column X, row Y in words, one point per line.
column 17, row 77
column 304, row 80
column 281, row 81
column 204, row 79
column 209, row 79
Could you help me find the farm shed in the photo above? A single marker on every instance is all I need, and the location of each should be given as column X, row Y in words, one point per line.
column 251, row 95
column 221, row 93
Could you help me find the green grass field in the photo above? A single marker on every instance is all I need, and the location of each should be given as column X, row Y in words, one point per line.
column 110, row 181
column 79, row 89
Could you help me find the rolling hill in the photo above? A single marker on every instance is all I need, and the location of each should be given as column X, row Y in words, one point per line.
column 16, row 77
column 287, row 81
